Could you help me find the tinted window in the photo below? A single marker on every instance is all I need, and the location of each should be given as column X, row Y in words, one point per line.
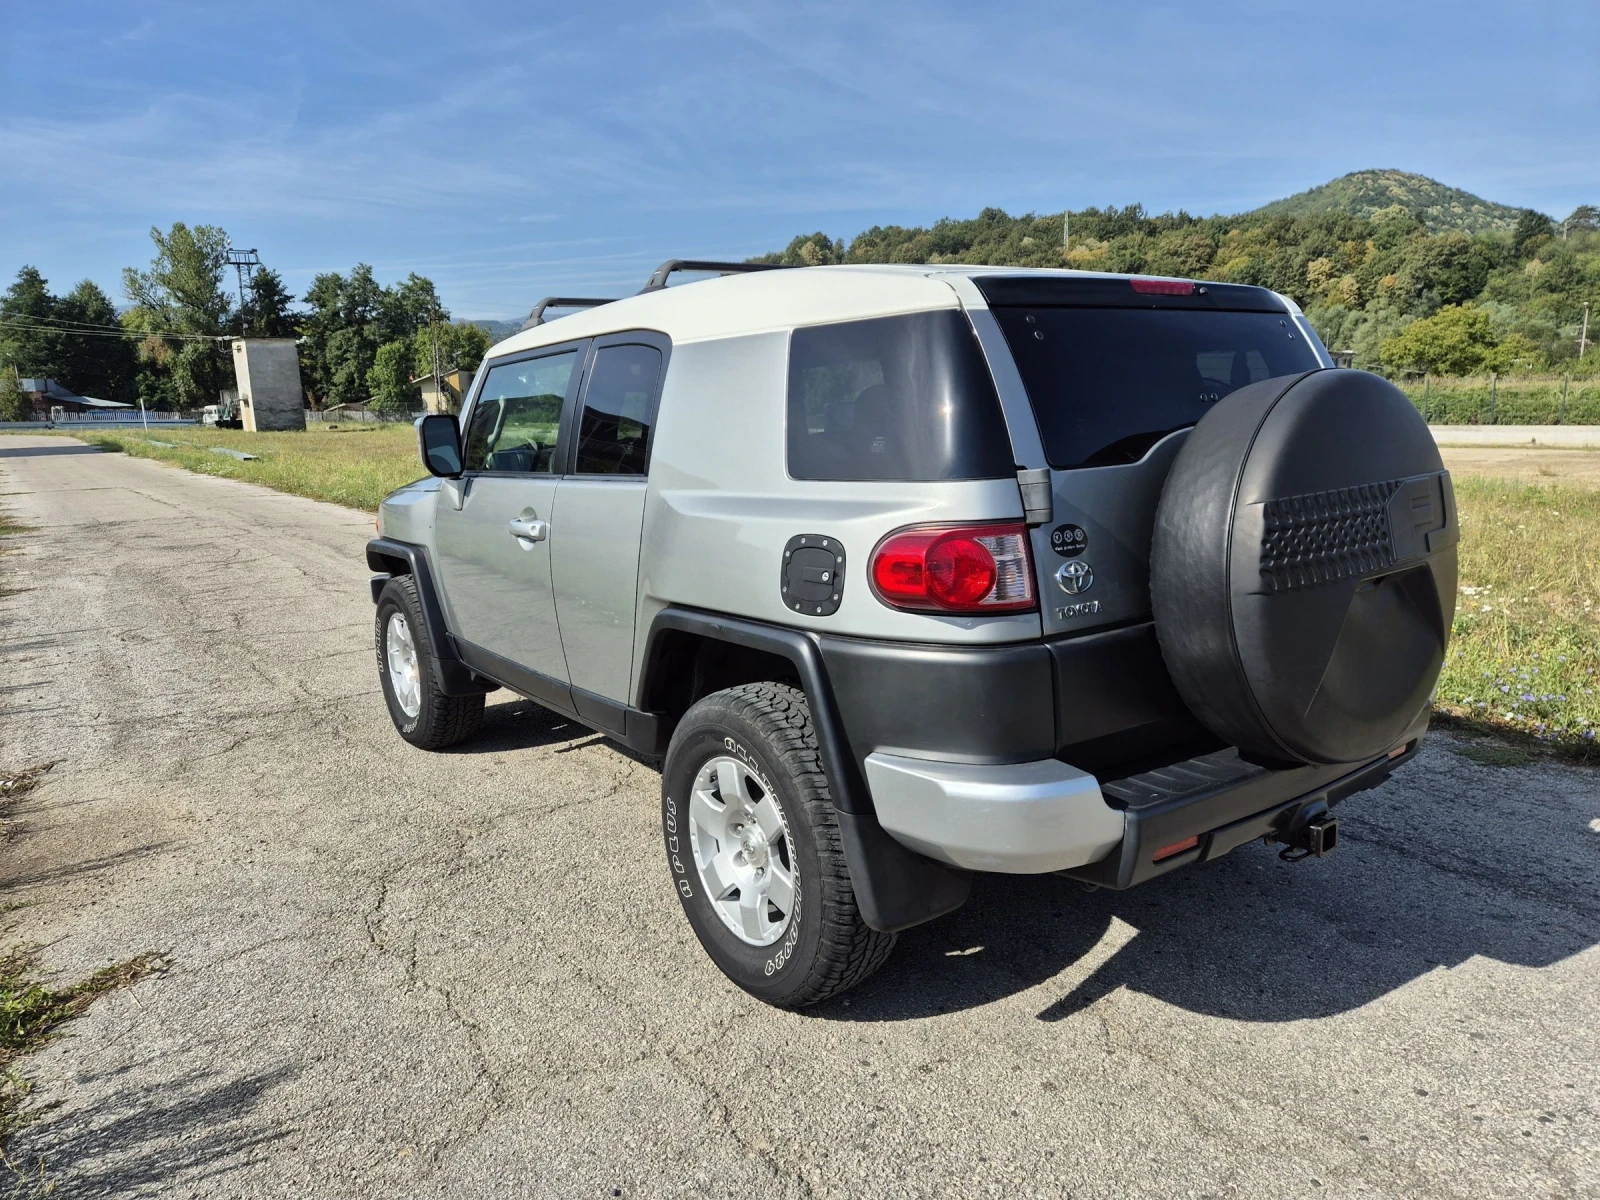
column 1108, row 383
column 618, row 408
column 518, row 414
column 906, row 398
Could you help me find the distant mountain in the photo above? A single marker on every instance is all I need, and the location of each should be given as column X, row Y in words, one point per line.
column 499, row 331
column 1365, row 192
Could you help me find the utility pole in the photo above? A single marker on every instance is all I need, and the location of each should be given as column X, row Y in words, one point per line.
column 1583, row 338
column 438, row 384
column 1066, row 230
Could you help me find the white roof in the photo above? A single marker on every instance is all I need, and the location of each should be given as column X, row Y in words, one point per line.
column 763, row 301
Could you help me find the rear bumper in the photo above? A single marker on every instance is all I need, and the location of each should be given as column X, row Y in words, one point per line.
column 1042, row 816
column 1025, row 818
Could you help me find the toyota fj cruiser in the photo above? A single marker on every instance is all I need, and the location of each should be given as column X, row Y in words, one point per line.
column 913, row 572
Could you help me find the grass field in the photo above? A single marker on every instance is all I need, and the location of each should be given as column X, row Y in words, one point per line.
column 1524, row 653
column 356, row 466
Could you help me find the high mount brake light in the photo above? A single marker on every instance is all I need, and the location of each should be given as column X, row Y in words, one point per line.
column 1163, row 287
column 955, row 569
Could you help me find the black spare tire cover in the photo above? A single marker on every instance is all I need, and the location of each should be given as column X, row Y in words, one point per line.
column 1303, row 567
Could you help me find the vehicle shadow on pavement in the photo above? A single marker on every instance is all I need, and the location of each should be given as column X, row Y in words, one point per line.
column 517, row 724
column 195, row 1128
column 1252, row 938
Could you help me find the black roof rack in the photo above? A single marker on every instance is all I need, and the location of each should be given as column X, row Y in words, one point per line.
column 673, row 265
column 536, row 317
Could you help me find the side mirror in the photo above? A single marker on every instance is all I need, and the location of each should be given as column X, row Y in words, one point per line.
column 439, row 443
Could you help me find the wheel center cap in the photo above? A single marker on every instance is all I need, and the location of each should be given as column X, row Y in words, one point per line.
column 754, row 847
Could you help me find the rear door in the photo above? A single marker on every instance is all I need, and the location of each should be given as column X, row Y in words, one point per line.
column 492, row 544
column 1114, row 376
column 599, row 512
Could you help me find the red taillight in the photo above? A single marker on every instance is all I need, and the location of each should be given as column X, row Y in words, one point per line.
column 1188, row 843
column 1163, row 287
column 967, row 569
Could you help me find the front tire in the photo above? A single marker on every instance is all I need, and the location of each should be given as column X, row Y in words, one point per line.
column 423, row 714
column 754, row 850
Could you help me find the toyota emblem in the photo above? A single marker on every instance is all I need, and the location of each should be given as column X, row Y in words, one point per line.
column 1075, row 576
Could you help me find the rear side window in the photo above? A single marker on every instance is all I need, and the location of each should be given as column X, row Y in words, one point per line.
column 1106, row 384
column 902, row 398
column 518, row 414
column 618, row 410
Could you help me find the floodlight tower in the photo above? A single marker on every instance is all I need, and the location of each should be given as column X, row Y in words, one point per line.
column 239, row 260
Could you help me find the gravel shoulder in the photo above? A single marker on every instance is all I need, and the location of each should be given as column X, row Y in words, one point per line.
column 466, row 974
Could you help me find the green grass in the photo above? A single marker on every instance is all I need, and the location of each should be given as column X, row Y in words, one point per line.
column 1525, row 650
column 1513, row 401
column 356, row 466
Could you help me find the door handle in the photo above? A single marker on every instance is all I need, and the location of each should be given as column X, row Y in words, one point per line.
column 527, row 529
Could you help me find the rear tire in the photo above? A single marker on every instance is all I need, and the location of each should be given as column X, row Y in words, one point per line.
column 424, row 715
column 746, row 812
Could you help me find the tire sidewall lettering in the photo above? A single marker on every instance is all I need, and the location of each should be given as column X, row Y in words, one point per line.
column 775, row 959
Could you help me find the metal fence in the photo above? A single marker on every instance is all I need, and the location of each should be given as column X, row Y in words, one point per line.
column 360, row 417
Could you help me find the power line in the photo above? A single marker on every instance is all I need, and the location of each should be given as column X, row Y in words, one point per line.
column 97, row 332
column 52, row 322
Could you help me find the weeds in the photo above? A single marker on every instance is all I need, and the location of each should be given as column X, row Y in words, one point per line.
column 31, row 1012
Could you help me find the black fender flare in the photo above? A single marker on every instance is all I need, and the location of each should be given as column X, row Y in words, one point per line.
column 390, row 558
column 895, row 887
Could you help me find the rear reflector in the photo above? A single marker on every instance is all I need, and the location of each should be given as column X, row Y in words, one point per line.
column 1163, row 287
column 1399, row 750
column 1188, row 843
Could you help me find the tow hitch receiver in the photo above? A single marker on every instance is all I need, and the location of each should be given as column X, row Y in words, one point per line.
column 1316, row 833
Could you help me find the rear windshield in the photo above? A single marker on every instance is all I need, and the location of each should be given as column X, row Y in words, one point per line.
column 1106, row 384
column 905, row 398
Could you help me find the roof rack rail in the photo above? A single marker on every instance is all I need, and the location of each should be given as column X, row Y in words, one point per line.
column 536, row 317
column 673, row 265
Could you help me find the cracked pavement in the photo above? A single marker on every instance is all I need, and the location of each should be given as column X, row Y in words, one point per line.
column 466, row 974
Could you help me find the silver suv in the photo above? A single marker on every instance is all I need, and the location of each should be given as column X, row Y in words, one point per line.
column 913, row 572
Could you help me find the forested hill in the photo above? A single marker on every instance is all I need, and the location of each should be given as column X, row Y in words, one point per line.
column 1363, row 193
column 1431, row 279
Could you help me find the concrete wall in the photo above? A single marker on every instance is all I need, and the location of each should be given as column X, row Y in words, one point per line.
column 270, row 396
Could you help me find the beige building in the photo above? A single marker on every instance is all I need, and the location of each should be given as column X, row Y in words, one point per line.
column 453, row 386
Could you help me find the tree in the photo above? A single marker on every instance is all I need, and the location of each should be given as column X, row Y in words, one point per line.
column 14, row 405
column 1533, row 228
column 389, row 379
column 267, row 312
column 1584, row 219
column 1458, row 340
column 181, row 309
column 95, row 365
column 461, row 347
column 30, row 341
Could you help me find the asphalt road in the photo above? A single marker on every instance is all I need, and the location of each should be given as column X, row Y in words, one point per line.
column 397, row 973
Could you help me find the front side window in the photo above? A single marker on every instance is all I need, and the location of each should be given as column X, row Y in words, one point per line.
column 899, row 398
column 518, row 415
column 618, row 410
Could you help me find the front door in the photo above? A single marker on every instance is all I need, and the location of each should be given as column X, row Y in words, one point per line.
column 493, row 524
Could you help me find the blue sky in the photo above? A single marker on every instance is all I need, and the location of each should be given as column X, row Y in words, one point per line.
column 513, row 150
